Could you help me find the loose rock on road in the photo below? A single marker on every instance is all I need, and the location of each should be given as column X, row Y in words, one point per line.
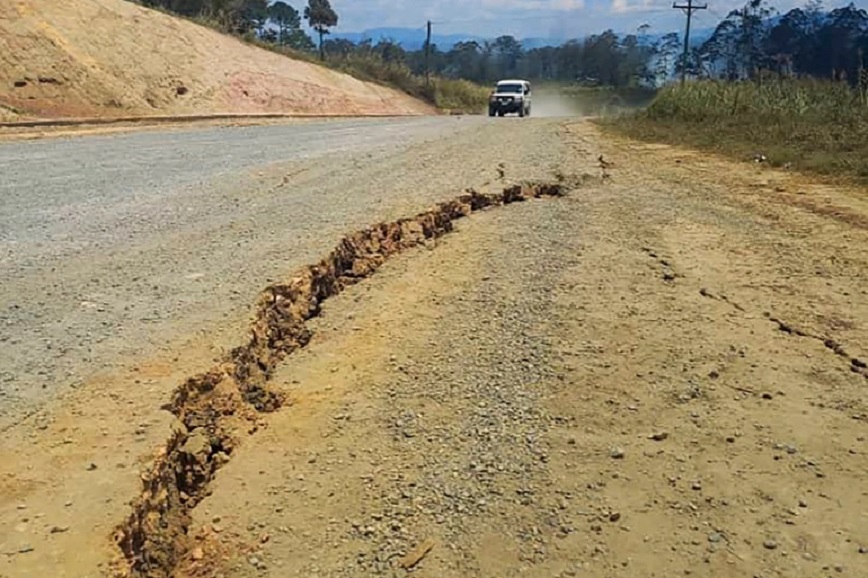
column 635, row 380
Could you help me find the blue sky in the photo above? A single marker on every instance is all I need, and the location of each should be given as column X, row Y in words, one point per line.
column 534, row 18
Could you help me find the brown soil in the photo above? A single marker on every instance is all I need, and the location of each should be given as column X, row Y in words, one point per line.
column 214, row 407
column 96, row 58
column 661, row 374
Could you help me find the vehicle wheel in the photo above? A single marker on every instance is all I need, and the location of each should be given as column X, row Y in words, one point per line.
column 490, row 112
column 528, row 111
column 521, row 112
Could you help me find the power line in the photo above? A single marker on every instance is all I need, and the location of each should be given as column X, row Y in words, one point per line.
column 689, row 9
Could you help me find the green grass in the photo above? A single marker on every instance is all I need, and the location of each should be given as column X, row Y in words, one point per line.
column 810, row 125
column 446, row 94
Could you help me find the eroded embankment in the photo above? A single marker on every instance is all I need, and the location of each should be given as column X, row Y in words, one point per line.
column 215, row 409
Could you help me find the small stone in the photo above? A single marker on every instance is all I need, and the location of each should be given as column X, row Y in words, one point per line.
column 197, row 554
column 697, row 486
column 863, row 549
column 659, row 436
column 767, row 396
column 730, row 439
column 839, row 568
column 770, row 545
column 614, row 516
column 715, row 537
column 617, row 454
column 254, row 561
column 25, row 548
column 59, row 529
column 91, row 467
column 803, row 504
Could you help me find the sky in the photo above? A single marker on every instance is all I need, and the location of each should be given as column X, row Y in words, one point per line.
column 536, row 18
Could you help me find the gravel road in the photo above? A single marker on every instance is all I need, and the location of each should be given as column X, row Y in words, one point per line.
column 660, row 374
column 107, row 243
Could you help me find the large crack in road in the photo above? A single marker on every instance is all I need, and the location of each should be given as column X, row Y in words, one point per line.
column 214, row 407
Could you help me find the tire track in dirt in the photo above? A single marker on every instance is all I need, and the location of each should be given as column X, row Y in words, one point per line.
column 215, row 409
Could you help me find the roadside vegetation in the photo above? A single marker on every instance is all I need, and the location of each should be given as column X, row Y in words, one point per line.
column 818, row 126
column 368, row 64
column 791, row 90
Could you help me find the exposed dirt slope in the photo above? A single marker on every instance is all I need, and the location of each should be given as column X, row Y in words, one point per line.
column 65, row 58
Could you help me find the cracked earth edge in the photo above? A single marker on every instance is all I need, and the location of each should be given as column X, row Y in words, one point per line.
column 215, row 409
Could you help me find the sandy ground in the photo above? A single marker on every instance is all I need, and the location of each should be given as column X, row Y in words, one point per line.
column 71, row 58
column 661, row 374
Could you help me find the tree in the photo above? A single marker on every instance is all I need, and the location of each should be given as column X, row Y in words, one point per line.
column 338, row 47
column 288, row 21
column 254, row 13
column 753, row 21
column 721, row 50
column 321, row 17
column 390, row 51
column 285, row 16
column 667, row 55
column 509, row 52
column 464, row 60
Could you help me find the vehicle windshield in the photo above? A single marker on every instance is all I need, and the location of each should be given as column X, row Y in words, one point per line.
column 510, row 88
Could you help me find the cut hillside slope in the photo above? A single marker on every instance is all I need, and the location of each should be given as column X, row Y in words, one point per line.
column 107, row 58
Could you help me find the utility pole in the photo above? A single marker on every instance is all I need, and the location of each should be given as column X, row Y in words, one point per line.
column 428, row 57
column 689, row 9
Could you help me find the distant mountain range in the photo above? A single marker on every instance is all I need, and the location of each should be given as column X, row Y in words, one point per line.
column 414, row 39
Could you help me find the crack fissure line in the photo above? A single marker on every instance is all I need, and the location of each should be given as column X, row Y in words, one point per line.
column 857, row 365
column 214, row 408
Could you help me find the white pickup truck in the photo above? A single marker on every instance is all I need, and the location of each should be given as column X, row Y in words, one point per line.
column 510, row 96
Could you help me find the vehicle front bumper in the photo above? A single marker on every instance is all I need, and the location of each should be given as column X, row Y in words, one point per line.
column 505, row 106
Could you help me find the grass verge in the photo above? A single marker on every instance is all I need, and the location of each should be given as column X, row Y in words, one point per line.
column 814, row 126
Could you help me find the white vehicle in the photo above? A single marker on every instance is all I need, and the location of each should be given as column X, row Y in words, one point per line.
column 510, row 96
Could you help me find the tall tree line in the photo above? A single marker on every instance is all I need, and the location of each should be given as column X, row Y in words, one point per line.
column 751, row 40
column 807, row 41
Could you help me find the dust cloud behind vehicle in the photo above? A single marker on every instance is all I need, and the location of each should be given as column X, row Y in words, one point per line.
column 568, row 101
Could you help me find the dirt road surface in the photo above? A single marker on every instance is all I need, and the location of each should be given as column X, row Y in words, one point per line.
column 660, row 374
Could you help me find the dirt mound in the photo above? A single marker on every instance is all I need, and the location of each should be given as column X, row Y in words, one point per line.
column 71, row 58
